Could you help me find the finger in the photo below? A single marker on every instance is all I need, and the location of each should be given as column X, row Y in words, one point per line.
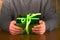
column 43, row 27
column 37, row 26
column 41, row 22
column 38, row 29
column 17, row 28
column 19, row 32
column 42, row 32
column 39, row 32
column 12, row 29
column 14, row 32
column 13, row 22
column 35, row 29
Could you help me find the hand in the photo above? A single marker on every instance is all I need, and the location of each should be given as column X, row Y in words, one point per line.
column 13, row 29
column 39, row 29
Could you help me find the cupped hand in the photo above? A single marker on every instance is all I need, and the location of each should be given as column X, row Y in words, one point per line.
column 13, row 29
column 39, row 29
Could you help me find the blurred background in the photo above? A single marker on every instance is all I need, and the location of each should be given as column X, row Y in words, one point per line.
column 0, row 3
column 58, row 10
column 56, row 4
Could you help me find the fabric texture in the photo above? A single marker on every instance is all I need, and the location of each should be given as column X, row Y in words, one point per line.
column 12, row 8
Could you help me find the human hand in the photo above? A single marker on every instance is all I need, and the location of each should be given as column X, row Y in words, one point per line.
column 13, row 29
column 39, row 29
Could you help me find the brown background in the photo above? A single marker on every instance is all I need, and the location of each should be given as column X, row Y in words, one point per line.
column 0, row 3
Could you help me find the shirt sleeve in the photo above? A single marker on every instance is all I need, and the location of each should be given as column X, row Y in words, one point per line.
column 49, row 14
column 5, row 16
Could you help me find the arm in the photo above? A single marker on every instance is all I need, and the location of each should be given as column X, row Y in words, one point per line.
column 5, row 16
column 7, row 22
column 49, row 14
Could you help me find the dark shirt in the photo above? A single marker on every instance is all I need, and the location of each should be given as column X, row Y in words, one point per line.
column 12, row 8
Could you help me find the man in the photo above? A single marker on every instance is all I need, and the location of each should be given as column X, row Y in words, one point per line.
column 12, row 8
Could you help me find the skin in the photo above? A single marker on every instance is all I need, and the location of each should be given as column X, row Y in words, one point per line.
column 13, row 29
column 38, row 29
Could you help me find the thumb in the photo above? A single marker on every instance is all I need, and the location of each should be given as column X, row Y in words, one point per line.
column 13, row 22
column 40, row 21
